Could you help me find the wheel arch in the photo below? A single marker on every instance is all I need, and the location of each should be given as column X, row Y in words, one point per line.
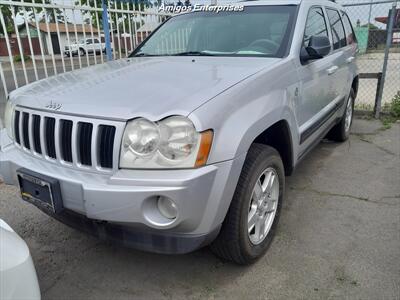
column 279, row 137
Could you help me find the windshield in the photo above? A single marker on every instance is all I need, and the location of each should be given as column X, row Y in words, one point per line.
column 255, row 31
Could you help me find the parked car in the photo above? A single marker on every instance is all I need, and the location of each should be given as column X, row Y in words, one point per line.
column 187, row 143
column 18, row 278
column 84, row 46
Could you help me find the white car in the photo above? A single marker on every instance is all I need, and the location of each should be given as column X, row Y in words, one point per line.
column 84, row 46
column 18, row 278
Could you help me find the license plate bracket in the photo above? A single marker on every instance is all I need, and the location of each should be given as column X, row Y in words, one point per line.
column 41, row 190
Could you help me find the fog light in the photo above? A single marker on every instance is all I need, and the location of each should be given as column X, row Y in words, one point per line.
column 167, row 207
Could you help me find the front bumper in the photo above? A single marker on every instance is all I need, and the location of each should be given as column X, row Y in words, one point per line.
column 122, row 201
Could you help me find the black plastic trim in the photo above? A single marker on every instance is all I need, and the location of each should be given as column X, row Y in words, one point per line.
column 324, row 118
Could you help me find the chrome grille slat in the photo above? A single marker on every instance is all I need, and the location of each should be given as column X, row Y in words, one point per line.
column 42, row 136
column 95, row 145
column 57, row 139
column 76, row 142
column 21, row 135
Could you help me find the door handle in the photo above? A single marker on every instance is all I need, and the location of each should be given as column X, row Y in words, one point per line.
column 350, row 59
column 332, row 70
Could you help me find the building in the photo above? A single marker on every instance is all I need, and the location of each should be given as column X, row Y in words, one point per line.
column 51, row 39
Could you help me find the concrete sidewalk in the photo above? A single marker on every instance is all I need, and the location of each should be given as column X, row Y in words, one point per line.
column 338, row 239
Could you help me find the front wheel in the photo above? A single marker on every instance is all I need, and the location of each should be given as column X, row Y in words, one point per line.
column 250, row 224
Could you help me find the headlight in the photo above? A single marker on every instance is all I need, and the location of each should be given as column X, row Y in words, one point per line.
column 8, row 115
column 170, row 143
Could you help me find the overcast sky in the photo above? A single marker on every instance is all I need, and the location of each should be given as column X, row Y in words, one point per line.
column 355, row 12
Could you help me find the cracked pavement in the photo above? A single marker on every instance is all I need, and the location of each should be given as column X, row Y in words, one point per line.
column 338, row 237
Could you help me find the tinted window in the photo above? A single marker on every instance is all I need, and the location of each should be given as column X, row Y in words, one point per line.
column 350, row 36
column 88, row 41
column 339, row 38
column 96, row 41
column 315, row 25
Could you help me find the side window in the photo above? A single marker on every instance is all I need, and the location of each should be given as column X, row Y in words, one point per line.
column 339, row 37
column 96, row 41
column 350, row 36
column 88, row 41
column 315, row 25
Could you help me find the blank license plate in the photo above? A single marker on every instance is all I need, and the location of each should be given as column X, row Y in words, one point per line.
column 40, row 190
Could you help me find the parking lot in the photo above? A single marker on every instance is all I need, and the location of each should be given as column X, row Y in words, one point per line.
column 338, row 238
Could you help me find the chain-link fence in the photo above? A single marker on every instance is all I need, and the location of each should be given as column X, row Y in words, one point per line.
column 371, row 23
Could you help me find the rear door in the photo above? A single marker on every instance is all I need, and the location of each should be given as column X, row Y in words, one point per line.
column 339, row 74
column 350, row 49
column 97, row 45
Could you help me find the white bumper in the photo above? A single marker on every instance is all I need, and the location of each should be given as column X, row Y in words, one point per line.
column 18, row 278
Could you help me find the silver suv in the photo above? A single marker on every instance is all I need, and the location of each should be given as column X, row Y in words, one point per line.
column 188, row 141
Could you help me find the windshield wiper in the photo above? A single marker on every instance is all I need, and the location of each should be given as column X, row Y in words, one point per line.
column 193, row 53
column 144, row 54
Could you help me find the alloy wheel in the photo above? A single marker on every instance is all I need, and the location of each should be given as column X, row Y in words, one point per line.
column 263, row 206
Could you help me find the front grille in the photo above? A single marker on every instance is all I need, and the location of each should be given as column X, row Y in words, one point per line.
column 25, row 131
column 16, row 127
column 50, row 137
column 36, row 134
column 72, row 141
column 66, row 136
column 107, row 134
column 85, row 145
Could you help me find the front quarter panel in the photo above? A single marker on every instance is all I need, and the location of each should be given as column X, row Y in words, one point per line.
column 243, row 112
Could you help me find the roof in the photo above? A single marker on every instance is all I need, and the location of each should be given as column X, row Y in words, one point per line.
column 284, row 2
column 148, row 27
column 63, row 28
column 268, row 2
column 384, row 20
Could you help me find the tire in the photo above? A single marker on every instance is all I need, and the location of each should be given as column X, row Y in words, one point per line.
column 81, row 52
column 341, row 131
column 235, row 241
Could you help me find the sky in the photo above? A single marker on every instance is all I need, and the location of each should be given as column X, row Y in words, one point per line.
column 355, row 12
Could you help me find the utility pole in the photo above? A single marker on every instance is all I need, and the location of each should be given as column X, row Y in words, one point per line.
column 106, row 29
column 389, row 39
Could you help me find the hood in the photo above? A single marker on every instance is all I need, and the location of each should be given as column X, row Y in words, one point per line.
column 151, row 87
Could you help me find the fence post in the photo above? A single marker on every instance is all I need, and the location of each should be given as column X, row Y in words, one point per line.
column 389, row 37
column 106, row 29
column 378, row 88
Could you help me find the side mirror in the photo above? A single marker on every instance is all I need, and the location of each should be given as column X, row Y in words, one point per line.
column 318, row 47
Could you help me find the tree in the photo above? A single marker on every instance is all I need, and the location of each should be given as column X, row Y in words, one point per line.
column 8, row 11
column 370, row 26
column 140, row 5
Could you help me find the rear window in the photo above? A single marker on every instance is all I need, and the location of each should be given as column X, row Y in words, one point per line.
column 339, row 37
column 350, row 36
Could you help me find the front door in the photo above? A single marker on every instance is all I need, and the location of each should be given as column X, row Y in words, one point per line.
column 317, row 87
column 55, row 44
